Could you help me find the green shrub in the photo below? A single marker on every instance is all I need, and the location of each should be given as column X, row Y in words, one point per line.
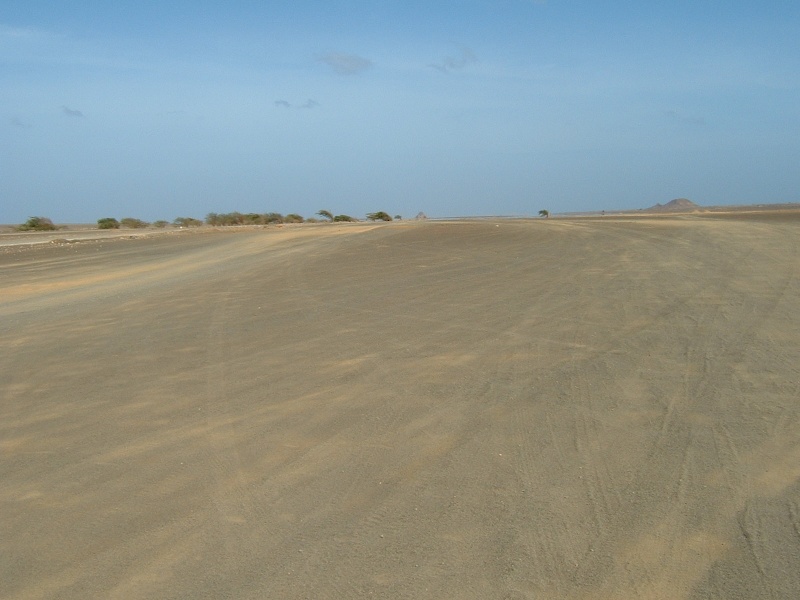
column 293, row 218
column 37, row 224
column 273, row 217
column 252, row 219
column 132, row 223
column 107, row 223
column 187, row 222
column 379, row 216
column 160, row 224
column 345, row 218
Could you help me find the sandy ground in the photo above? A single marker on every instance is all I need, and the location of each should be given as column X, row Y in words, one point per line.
column 600, row 408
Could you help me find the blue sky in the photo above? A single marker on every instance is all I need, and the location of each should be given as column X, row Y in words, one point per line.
column 156, row 110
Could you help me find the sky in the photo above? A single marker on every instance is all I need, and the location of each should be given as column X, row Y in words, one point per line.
column 155, row 110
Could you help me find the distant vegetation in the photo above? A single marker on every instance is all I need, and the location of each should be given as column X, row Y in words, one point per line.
column 213, row 219
column 132, row 223
column 187, row 222
column 128, row 222
column 237, row 218
column 107, row 223
column 37, row 224
column 544, row 213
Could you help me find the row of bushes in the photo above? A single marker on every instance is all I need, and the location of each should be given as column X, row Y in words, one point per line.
column 215, row 219
column 131, row 223
column 237, row 218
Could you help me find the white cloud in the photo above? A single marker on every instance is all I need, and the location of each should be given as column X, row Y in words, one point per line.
column 345, row 64
column 22, row 33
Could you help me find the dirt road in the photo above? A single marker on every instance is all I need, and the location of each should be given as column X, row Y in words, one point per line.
column 600, row 408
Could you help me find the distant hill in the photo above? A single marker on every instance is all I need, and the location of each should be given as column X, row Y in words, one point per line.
column 677, row 205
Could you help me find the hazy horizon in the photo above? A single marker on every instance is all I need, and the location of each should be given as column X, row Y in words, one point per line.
column 156, row 110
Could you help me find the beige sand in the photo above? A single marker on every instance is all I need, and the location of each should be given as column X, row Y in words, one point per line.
column 597, row 408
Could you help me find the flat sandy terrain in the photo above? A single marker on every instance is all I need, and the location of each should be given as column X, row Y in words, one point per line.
column 596, row 408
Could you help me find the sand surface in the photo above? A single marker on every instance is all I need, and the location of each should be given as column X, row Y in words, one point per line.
column 602, row 408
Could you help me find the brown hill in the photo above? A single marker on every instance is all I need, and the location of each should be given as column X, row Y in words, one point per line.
column 677, row 205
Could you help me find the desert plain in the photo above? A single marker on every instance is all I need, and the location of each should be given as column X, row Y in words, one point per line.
column 541, row 409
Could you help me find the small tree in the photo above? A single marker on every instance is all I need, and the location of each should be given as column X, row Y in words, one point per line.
column 233, row 218
column 344, row 218
column 379, row 216
column 132, row 223
column 252, row 219
column 544, row 213
column 273, row 217
column 293, row 218
column 160, row 224
column 187, row 222
column 325, row 214
column 107, row 223
column 37, row 224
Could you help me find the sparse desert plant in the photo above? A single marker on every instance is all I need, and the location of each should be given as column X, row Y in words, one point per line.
column 273, row 217
column 37, row 224
column 544, row 213
column 252, row 219
column 233, row 218
column 132, row 223
column 293, row 218
column 107, row 223
column 344, row 218
column 325, row 214
column 379, row 216
column 160, row 224
column 187, row 222
column 398, row 218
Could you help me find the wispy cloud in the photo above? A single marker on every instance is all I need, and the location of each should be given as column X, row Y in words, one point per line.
column 308, row 104
column 455, row 63
column 23, row 33
column 345, row 64
column 71, row 112
column 20, row 124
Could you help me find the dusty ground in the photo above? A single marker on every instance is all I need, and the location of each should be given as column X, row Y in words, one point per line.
column 600, row 408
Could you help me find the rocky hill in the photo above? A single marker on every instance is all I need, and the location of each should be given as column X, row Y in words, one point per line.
column 677, row 205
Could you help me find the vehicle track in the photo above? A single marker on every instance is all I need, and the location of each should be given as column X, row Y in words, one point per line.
column 526, row 409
